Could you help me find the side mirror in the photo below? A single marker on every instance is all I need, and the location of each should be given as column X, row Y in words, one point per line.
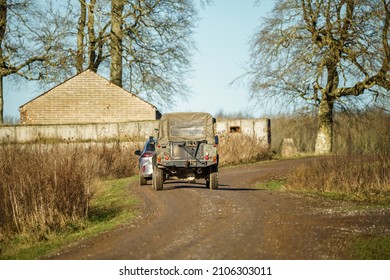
column 137, row 152
column 216, row 139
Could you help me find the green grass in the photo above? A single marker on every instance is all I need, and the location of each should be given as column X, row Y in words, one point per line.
column 273, row 185
column 371, row 248
column 111, row 206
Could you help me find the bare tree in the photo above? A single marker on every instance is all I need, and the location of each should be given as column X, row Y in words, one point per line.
column 12, row 57
column 116, row 43
column 80, row 54
column 147, row 43
column 92, row 35
column 151, row 44
column 326, row 53
column 31, row 42
column 3, row 26
column 54, row 26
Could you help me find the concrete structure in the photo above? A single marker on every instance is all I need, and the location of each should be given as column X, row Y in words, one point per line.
column 257, row 128
column 86, row 98
column 123, row 131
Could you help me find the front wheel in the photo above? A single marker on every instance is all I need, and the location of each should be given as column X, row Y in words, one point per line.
column 212, row 182
column 157, row 181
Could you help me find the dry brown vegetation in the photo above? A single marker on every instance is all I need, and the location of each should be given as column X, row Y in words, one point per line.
column 357, row 177
column 360, row 168
column 358, row 133
column 46, row 188
column 237, row 148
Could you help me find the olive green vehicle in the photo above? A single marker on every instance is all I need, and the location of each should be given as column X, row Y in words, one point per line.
column 187, row 149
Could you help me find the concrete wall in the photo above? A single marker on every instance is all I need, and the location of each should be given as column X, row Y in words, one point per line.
column 124, row 131
column 258, row 128
column 86, row 98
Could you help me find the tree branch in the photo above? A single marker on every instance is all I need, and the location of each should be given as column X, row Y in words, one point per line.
column 8, row 70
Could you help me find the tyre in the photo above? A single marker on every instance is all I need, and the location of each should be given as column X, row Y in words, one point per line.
column 212, row 182
column 142, row 180
column 157, row 181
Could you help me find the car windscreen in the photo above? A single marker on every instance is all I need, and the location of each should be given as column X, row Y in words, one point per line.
column 190, row 129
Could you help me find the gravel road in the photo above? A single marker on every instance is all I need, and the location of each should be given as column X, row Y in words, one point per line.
column 236, row 222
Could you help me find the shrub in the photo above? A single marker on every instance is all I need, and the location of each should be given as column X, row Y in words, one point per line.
column 360, row 177
column 238, row 148
column 45, row 188
column 117, row 159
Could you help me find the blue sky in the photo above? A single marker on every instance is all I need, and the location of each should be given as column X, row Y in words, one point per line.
column 222, row 38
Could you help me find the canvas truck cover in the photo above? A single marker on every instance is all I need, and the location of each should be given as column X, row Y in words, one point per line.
column 178, row 127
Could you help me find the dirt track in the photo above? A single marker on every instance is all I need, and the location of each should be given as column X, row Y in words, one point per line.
column 237, row 221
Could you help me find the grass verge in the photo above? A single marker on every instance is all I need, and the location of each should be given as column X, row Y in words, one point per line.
column 273, row 185
column 362, row 179
column 371, row 248
column 361, row 247
column 111, row 206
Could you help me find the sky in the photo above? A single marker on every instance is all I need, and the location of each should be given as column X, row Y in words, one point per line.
column 222, row 38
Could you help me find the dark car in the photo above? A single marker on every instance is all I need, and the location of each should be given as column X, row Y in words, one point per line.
column 145, row 160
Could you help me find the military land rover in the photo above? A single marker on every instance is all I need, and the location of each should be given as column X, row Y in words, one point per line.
column 186, row 149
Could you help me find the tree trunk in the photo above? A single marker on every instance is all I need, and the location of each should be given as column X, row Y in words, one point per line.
column 3, row 25
column 1, row 101
column 116, row 42
column 80, row 38
column 325, row 127
column 91, row 37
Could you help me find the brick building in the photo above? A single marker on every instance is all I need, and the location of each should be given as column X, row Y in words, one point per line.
column 86, row 98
